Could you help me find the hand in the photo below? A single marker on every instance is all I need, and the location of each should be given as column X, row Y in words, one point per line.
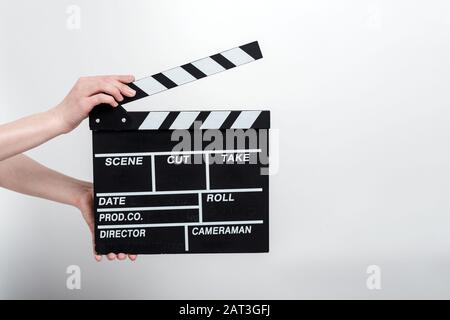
column 85, row 204
column 86, row 94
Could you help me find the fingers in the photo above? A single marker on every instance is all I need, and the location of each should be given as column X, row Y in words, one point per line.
column 97, row 257
column 132, row 257
column 124, row 89
column 104, row 89
column 124, row 78
column 102, row 98
column 111, row 256
column 103, row 85
column 112, row 90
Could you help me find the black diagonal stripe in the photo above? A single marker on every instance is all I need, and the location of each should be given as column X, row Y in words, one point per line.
column 139, row 94
column 200, row 118
column 263, row 121
column 230, row 120
column 137, row 118
column 193, row 70
column 224, row 62
column 169, row 120
column 252, row 49
column 166, row 82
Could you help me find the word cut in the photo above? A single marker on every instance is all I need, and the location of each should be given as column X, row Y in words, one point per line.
column 178, row 159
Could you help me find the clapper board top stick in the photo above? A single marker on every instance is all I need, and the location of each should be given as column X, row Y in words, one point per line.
column 151, row 197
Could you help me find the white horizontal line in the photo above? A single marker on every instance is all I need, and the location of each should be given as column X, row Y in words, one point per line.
column 150, row 193
column 163, row 153
column 182, row 224
column 147, row 208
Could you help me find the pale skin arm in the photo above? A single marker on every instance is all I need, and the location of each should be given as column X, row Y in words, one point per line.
column 29, row 132
column 22, row 174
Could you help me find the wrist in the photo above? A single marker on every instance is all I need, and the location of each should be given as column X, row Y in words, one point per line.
column 84, row 196
column 58, row 123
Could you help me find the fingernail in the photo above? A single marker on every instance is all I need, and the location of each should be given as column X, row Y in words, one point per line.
column 121, row 256
column 131, row 91
column 98, row 258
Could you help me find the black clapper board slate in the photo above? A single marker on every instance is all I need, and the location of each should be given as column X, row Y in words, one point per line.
column 150, row 198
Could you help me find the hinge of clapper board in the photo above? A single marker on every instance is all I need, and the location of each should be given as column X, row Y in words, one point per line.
column 104, row 117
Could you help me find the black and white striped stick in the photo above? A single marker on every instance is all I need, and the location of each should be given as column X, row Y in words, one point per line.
column 103, row 118
column 183, row 120
column 195, row 70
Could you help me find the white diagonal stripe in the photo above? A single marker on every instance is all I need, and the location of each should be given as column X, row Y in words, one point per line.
column 154, row 120
column 179, row 75
column 208, row 66
column 245, row 119
column 184, row 120
column 237, row 56
column 150, row 85
column 215, row 120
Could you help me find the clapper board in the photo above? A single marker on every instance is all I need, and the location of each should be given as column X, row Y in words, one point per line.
column 162, row 186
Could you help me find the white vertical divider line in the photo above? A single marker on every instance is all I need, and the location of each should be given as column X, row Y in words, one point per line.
column 207, row 171
column 200, row 207
column 152, row 158
column 186, row 238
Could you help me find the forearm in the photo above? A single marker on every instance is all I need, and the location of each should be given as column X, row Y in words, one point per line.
column 24, row 175
column 26, row 133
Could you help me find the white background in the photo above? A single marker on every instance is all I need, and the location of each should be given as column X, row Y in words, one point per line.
column 358, row 90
